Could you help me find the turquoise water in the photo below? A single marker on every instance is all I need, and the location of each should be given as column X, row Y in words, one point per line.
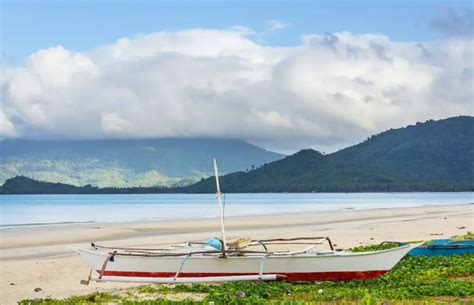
column 27, row 210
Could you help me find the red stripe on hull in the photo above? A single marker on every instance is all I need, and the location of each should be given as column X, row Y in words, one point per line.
column 293, row 276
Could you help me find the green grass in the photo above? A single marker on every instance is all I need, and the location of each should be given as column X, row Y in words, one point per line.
column 469, row 235
column 415, row 280
column 383, row 246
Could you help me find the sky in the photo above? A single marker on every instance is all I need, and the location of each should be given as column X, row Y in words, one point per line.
column 285, row 75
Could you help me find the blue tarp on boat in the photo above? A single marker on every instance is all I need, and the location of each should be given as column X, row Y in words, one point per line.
column 444, row 247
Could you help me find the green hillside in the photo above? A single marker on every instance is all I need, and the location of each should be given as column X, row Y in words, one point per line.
column 305, row 171
column 430, row 156
column 432, row 151
column 25, row 185
column 435, row 155
column 127, row 163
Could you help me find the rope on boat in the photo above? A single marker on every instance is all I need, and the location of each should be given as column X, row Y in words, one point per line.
column 263, row 245
column 181, row 267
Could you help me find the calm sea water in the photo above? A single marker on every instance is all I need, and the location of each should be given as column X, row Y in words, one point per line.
column 27, row 210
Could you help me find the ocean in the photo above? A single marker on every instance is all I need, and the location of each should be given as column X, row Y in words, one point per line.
column 39, row 210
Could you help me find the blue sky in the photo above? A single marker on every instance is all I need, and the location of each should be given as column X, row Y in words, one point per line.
column 28, row 26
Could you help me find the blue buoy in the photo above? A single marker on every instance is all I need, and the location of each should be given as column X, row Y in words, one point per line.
column 215, row 243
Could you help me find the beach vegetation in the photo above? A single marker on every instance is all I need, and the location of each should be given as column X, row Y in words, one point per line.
column 415, row 280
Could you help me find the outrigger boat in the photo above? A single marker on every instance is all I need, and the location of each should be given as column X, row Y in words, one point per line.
column 444, row 247
column 242, row 259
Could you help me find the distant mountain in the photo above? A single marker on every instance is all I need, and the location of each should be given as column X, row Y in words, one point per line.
column 127, row 163
column 435, row 155
column 430, row 156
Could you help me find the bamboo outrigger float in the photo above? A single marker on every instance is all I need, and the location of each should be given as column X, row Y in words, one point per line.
column 243, row 259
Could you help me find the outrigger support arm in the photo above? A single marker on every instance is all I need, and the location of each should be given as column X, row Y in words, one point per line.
column 289, row 241
column 219, row 199
column 170, row 280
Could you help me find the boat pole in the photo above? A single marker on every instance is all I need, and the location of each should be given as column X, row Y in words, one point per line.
column 219, row 199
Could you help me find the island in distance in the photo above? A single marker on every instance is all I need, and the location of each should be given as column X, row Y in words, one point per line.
column 127, row 162
column 429, row 156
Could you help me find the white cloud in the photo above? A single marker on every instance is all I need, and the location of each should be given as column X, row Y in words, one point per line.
column 275, row 25
column 112, row 123
column 329, row 91
column 7, row 128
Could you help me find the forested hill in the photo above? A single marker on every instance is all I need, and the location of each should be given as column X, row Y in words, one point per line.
column 430, row 156
column 306, row 171
column 127, row 162
column 432, row 151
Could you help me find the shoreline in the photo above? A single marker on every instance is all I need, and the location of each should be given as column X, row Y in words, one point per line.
column 7, row 227
column 10, row 238
column 341, row 192
column 45, row 257
column 161, row 223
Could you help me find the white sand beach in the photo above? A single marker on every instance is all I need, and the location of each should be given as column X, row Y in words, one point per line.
column 44, row 257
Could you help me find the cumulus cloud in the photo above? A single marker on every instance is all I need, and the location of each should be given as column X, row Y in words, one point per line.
column 329, row 91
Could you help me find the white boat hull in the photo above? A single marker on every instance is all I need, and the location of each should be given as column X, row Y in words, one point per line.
column 311, row 266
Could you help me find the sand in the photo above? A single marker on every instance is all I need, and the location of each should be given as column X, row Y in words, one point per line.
column 44, row 257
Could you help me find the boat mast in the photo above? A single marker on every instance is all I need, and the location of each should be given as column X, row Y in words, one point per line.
column 219, row 199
